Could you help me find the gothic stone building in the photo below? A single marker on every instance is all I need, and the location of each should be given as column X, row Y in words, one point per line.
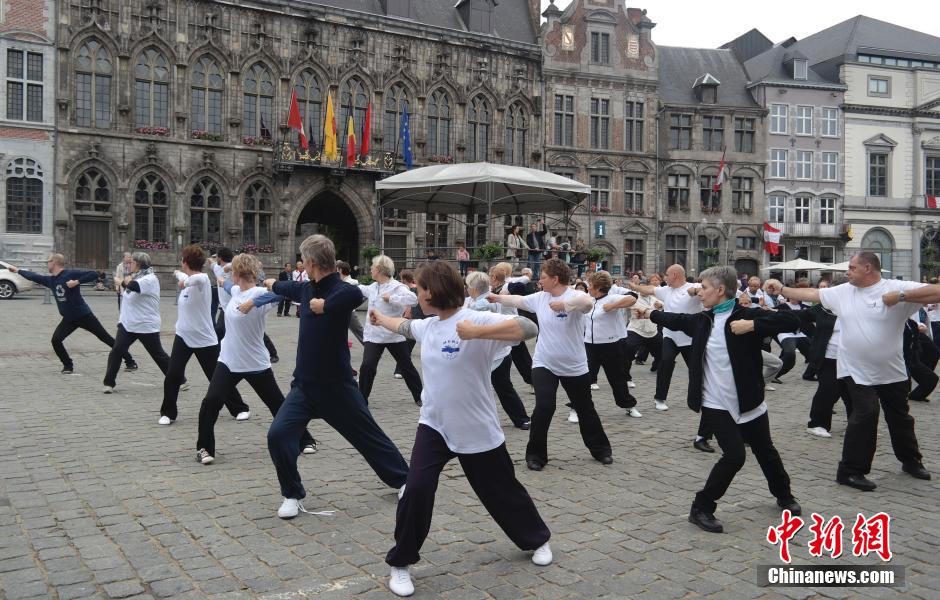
column 172, row 118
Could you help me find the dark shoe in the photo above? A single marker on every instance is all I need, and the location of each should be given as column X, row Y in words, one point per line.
column 605, row 460
column 775, row 380
column 791, row 505
column 275, row 359
column 705, row 521
column 639, row 362
column 534, row 465
column 419, row 404
column 807, row 377
column 702, row 445
column 66, row 370
column 131, row 366
column 858, row 482
column 918, row 399
column 916, row 470
column 525, row 425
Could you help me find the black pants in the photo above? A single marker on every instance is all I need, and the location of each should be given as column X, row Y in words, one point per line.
column 372, row 352
column 611, row 358
column 922, row 370
column 667, row 364
column 523, row 361
column 935, row 331
column 283, row 308
column 578, row 389
column 635, row 344
column 828, row 392
column 788, row 348
column 411, row 346
column 731, row 438
column 506, row 392
column 176, row 375
column 89, row 323
column 214, row 305
column 861, row 433
column 123, row 341
column 220, row 333
column 341, row 405
column 220, row 389
column 493, row 479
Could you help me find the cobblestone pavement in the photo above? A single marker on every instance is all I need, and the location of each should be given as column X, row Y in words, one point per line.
column 97, row 500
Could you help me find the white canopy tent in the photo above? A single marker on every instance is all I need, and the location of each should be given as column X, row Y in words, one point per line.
column 844, row 266
column 799, row 264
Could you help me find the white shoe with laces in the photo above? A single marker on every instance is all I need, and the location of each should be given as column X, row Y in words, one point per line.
column 635, row 413
column 769, row 388
column 594, row 386
column 164, row 420
column 661, row 405
column 108, row 389
column 630, row 384
column 543, row 556
column 572, row 416
column 400, row 582
column 398, row 376
column 243, row 416
column 401, row 491
column 818, row 432
column 184, row 387
column 310, row 448
column 290, row 508
column 203, row 456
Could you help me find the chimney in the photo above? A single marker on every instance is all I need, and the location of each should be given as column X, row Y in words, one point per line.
column 535, row 12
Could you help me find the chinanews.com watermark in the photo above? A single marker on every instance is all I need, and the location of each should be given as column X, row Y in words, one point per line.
column 870, row 536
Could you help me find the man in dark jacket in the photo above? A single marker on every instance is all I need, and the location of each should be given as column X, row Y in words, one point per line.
column 726, row 344
column 535, row 240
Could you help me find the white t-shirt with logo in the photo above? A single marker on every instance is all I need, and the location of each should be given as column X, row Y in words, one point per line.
column 243, row 349
column 560, row 347
column 399, row 298
column 870, row 333
column 678, row 300
column 718, row 389
column 140, row 312
column 602, row 327
column 456, row 399
column 194, row 323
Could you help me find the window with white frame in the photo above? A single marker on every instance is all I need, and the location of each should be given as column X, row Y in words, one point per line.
column 24, row 196
column 804, row 120
column 677, row 191
column 600, row 192
column 879, row 86
column 778, row 164
column 776, row 208
column 800, row 69
column 24, row 85
column 827, row 210
column 778, row 118
column 804, row 164
column 932, row 187
column 801, row 207
column 830, row 166
column 877, row 174
column 829, row 122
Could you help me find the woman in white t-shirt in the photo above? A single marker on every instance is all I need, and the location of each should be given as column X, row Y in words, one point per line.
column 560, row 358
column 139, row 320
column 643, row 336
column 458, row 419
column 195, row 334
column 243, row 355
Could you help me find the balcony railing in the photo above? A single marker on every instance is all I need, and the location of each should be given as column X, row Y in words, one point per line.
column 824, row 230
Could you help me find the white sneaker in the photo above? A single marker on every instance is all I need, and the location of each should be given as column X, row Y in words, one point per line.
column 164, row 420
column 203, row 456
column 819, row 432
column 401, row 491
column 310, row 448
column 290, row 508
column 398, row 376
column 243, row 416
column 532, row 390
column 635, row 413
column 184, row 387
column 572, row 416
column 630, row 384
column 594, row 386
column 542, row 556
column 769, row 388
column 661, row 405
column 400, row 582
column 108, row 389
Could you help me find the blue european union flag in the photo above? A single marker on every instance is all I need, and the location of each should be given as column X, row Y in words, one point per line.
column 404, row 133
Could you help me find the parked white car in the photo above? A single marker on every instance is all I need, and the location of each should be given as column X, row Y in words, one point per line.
column 12, row 283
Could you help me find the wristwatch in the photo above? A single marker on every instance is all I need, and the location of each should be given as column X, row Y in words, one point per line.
column 901, row 296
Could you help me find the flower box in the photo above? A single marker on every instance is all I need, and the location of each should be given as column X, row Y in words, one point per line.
column 199, row 134
column 161, row 131
column 443, row 159
column 250, row 140
column 256, row 249
column 148, row 245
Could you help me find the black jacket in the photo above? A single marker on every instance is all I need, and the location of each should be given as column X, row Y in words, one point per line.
column 825, row 322
column 747, row 363
column 536, row 240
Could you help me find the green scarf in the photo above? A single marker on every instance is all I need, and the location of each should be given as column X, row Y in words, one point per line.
column 724, row 306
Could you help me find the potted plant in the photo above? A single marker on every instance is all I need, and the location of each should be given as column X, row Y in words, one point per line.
column 711, row 257
column 595, row 255
column 370, row 252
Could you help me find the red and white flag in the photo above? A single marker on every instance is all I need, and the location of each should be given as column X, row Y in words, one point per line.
column 771, row 239
column 722, row 174
column 931, row 202
column 294, row 121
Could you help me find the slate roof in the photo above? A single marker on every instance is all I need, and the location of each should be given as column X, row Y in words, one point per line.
column 769, row 66
column 679, row 68
column 861, row 32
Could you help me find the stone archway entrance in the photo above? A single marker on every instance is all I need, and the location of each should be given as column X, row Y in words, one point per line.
column 747, row 265
column 327, row 214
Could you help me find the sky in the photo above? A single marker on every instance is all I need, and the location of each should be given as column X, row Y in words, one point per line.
column 703, row 24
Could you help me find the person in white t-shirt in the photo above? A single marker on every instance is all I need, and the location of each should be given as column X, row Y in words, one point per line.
column 299, row 275
column 243, row 355
column 559, row 358
column 870, row 365
column 642, row 334
column 195, row 334
column 459, row 420
column 139, row 320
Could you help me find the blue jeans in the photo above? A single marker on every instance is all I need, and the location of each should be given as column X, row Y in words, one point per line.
column 535, row 263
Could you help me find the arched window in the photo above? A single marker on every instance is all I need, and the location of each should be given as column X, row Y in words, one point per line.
column 205, row 212
column 259, row 102
column 310, row 102
column 92, row 192
column 879, row 241
column 353, row 101
column 396, row 101
column 256, row 216
column 478, row 129
column 206, row 96
column 24, row 196
column 151, row 90
column 516, row 130
column 438, row 141
column 93, row 70
column 150, row 208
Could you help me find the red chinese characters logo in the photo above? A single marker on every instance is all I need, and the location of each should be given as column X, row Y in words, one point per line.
column 869, row 535
column 783, row 533
column 872, row 535
column 826, row 537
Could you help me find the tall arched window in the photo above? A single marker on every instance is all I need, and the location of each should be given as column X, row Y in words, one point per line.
column 438, row 141
column 92, row 192
column 259, row 102
column 310, row 102
column 256, row 215
column 478, row 129
column 207, row 85
column 93, row 70
column 205, row 212
column 516, row 131
column 151, row 90
column 396, row 101
column 353, row 101
column 150, row 209
column 24, row 196
column 879, row 241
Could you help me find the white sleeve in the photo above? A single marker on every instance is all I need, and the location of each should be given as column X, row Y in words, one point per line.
column 660, row 292
column 420, row 326
column 149, row 285
column 197, row 280
column 403, row 296
column 367, row 290
column 531, row 302
column 831, row 298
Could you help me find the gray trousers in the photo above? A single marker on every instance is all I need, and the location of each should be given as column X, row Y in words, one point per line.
column 772, row 365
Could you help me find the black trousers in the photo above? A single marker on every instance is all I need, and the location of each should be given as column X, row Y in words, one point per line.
column 506, row 392
column 411, row 346
column 634, row 345
column 922, row 370
column 861, row 433
column 828, row 392
column 578, row 389
column 788, row 348
column 176, row 375
column 731, row 438
column 89, row 323
column 611, row 358
column 372, row 352
column 220, row 389
column 523, row 361
column 935, row 331
column 283, row 308
column 493, row 479
column 220, row 333
column 123, row 341
column 667, row 364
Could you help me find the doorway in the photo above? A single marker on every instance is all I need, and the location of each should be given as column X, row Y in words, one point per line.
column 92, row 244
column 327, row 214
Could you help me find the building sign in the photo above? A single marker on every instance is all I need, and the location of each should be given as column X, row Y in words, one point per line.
column 599, row 229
